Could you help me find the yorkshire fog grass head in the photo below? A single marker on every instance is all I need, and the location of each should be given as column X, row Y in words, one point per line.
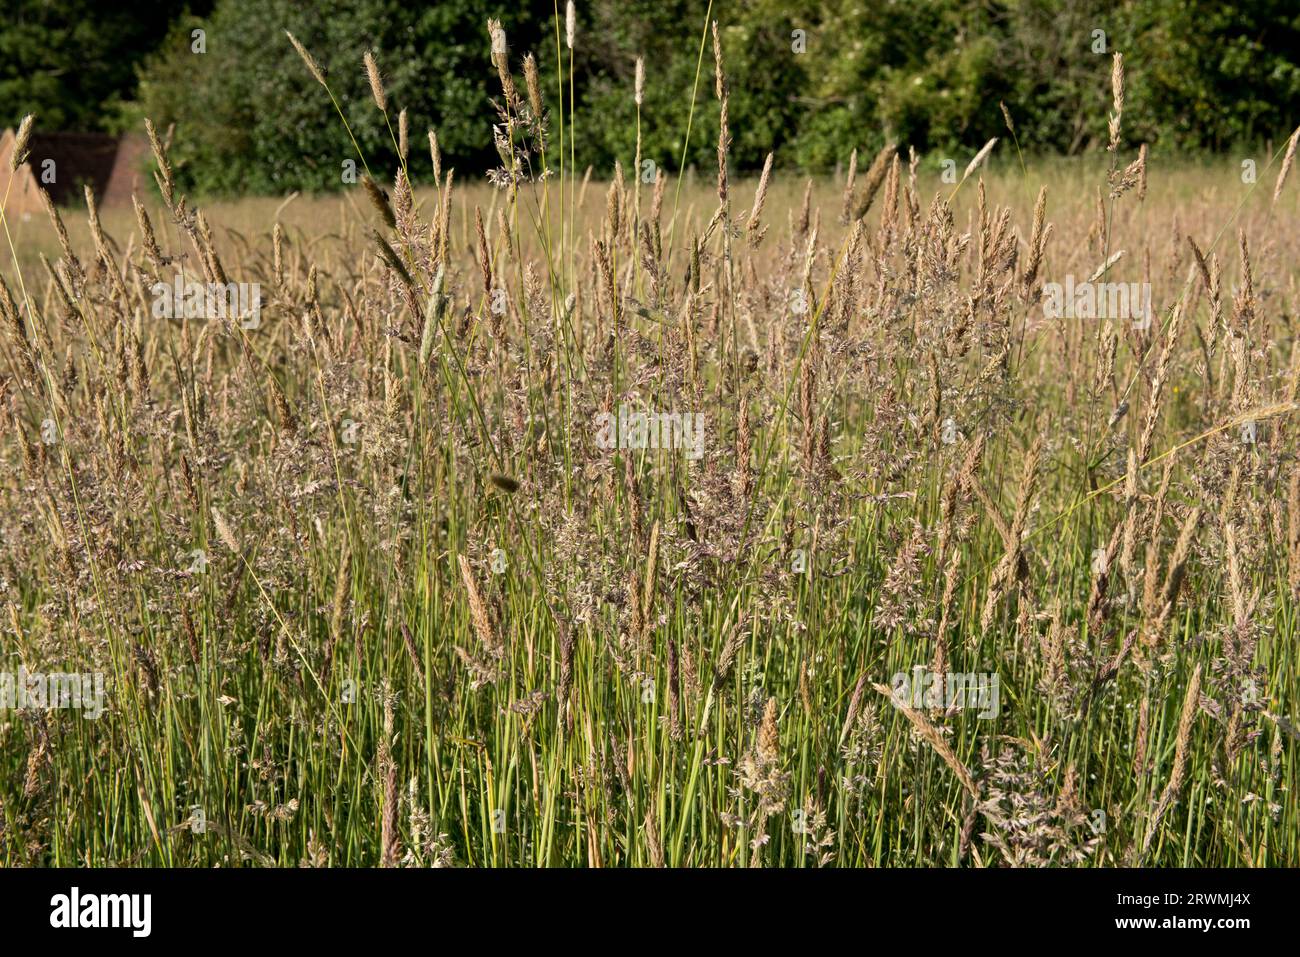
column 376, row 554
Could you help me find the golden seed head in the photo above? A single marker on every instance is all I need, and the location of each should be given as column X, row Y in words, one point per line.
column 498, row 36
column 534, row 84
column 19, row 154
column 307, row 58
column 376, row 82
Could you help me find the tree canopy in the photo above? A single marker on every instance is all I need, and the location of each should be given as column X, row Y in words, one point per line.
column 810, row 80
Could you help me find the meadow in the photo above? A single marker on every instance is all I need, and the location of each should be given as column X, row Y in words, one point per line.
column 368, row 588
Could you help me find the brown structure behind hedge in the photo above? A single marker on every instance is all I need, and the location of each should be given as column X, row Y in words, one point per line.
column 114, row 167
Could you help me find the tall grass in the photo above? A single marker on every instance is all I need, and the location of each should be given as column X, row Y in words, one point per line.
column 368, row 590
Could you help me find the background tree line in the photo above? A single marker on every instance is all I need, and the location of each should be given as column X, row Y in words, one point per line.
column 1203, row 75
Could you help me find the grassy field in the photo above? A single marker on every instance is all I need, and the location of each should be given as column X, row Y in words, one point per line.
column 368, row 586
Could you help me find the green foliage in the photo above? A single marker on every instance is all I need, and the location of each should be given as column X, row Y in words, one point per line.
column 250, row 117
column 762, row 79
column 1202, row 75
column 69, row 61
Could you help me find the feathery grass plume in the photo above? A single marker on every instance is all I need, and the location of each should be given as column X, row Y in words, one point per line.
column 674, row 692
column 1156, row 393
column 533, row 84
column 377, row 91
column 65, row 246
column 636, row 622
column 57, row 281
column 566, row 669
column 913, row 162
column 875, row 177
column 412, row 649
column 1191, row 705
column 855, row 707
column 743, row 480
column 936, row 740
column 638, row 86
column 31, row 460
column 13, row 317
column 1201, row 265
column 1236, row 588
column 501, row 59
column 394, row 261
column 724, row 131
column 1122, row 181
column 1104, row 268
column 503, row 228
column 657, row 200
column 652, row 837
column 652, row 558
column 1117, row 99
column 478, row 611
column 582, row 191
column 163, row 176
column 191, row 636
column 208, row 250
column 1243, row 305
column 1142, row 172
column 224, row 532
column 1038, row 237
column 850, row 180
column 342, row 591
column 769, row 735
column 889, row 215
column 719, row 79
column 147, row 238
column 974, row 164
column 804, row 217
column 1176, row 571
column 1140, row 769
column 484, row 253
column 307, row 58
column 390, row 849
column 280, row 404
column 403, row 136
column 570, row 24
column 433, row 314
column 1011, row 570
column 444, row 220
column 21, row 140
column 379, row 199
column 756, row 211
column 614, row 206
column 1287, row 161
column 730, row 649
column 436, row 155
column 277, row 254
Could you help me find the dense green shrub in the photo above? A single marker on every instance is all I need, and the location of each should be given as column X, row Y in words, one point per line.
column 249, row 116
column 809, row 80
column 70, row 61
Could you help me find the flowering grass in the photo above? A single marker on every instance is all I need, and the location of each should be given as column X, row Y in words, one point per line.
column 368, row 589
